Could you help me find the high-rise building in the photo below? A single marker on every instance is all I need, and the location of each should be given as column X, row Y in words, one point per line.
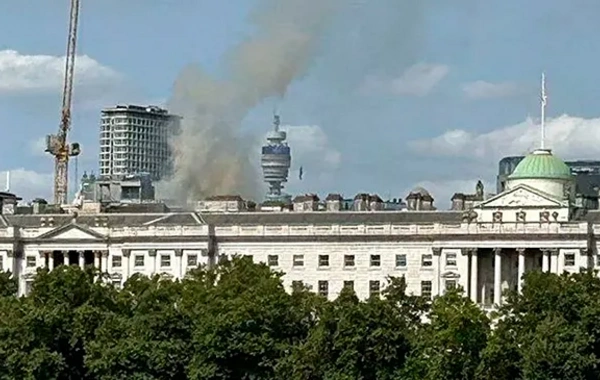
column 135, row 140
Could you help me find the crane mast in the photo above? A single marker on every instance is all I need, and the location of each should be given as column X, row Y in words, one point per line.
column 57, row 145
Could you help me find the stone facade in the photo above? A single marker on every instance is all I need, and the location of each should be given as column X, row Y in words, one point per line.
column 485, row 250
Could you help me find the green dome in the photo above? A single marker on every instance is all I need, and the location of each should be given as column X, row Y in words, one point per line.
column 541, row 164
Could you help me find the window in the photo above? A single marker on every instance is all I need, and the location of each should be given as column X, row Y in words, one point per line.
column 569, row 259
column 116, row 261
column 450, row 259
column 165, row 261
column 401, row 261
column 375, row 260
column 31, row 261
column 192, row 260
column 323, row 260
column 426, row 289
column 139, row 261
column 349, row 260
column 374, row 288
column 450, row 284
column 273, row 260
column 298, row 260
column 427, row 260
column 349, row 285
column 323, row 288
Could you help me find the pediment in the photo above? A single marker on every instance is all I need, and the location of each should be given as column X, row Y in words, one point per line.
column 522, row 196
column 72, row 232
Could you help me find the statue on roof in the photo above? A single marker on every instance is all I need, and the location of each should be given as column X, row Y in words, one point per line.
column 479, row 189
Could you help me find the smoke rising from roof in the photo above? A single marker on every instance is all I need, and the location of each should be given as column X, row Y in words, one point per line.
column 211, row 156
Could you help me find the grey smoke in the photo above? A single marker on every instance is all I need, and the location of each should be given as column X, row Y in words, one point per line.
column 211, row 154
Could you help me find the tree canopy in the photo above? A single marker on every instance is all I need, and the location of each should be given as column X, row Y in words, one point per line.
column 236, row 321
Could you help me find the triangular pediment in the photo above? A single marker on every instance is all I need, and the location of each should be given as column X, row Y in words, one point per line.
column 523, row 196
column 72, row 232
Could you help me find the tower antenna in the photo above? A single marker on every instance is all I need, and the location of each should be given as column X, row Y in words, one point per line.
column 544, row 101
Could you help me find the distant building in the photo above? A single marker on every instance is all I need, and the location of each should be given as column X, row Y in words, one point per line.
column 276, row 160
column 123, row 189
column 135, row 139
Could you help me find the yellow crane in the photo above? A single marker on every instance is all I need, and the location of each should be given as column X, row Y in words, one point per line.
column 57, row 145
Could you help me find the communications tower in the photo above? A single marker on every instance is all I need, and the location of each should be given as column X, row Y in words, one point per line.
column 276, row 160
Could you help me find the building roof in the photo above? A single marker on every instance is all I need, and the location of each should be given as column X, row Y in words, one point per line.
column 541, row 164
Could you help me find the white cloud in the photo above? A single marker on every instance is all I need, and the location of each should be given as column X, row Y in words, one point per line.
column 312, row 150
column 28, row 184
column 443, row 190
column 38, row 147
column 569, row 137
column 22, row 74
column 485, row 90
column 417, row 80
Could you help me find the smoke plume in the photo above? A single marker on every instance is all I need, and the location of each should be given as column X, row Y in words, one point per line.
column 211, row 155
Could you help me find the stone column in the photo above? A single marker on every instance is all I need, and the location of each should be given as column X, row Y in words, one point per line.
column 152, row 253
column 104, row 262
column 520, row 269
column 43, row 257
column 497, row 275
column 125, row 262
column 51, row 260
column 474, row 276
column 81, row 259
column 436, row 285
column 10, row 261
column 97, row 255
column 65, row 258
column 545, row 260
column 554, row 260
column 584, row 259
column 178, row 263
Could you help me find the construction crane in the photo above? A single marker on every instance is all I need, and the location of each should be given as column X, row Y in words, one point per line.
column 57, row 145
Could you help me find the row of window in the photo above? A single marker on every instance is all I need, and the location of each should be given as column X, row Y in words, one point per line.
column 374, row 287
column 374, row 260
column 117, row 261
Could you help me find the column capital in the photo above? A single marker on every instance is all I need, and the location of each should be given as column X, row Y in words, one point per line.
column 152, row 252
column 126, row 252
column 585, row 251
column 553, row 251
column 436, row 251
column 179, row 252
column 98, row 254
column 42, row 253
column 497, row 251
column 520, row 251
column 10, row 253
column 468, row 251
column 104, row 253
column 81, row 254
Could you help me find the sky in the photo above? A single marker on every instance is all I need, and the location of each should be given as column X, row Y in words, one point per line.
column 397, row 94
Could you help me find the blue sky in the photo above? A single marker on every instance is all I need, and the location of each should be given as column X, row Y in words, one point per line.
column 398, row 94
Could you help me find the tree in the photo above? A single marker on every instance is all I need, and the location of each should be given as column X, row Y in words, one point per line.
column 244, row 321
column 8, row 284
column 550, row 331
column 355, row 340
column 450, row 345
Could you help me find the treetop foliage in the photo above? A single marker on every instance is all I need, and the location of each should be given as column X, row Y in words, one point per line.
column 236, row 321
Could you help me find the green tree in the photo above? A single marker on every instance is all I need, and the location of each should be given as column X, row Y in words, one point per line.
column 550, row 331
column 356, row 340
column 244, row 321
column 148, row 339
column 8, row 284
column 450, row 345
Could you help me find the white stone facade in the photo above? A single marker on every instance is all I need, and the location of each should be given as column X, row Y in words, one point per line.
column 484, row 250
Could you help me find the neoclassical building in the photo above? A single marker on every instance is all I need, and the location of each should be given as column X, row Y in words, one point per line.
column 485, row 248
